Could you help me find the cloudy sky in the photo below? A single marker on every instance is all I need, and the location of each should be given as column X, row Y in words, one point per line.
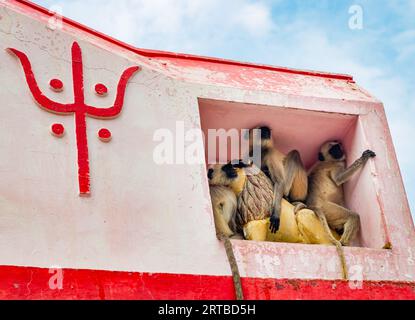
column 293, row 33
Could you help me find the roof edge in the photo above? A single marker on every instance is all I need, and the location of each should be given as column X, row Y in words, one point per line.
column 172, row 55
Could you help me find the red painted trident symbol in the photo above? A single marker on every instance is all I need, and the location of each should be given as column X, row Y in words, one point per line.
column 79, row 107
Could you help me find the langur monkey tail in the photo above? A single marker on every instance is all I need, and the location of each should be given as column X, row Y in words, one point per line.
column 234, row 266
column 335, row 242
column 224, row 235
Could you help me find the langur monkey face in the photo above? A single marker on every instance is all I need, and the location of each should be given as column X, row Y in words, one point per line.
column 261, row 135
column 221, row 175
column 332, row 151
column 226, row 174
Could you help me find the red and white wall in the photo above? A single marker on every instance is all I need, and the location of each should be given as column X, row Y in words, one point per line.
column 146, row 230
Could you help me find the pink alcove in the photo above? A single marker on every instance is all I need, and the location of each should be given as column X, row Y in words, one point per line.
column 304, row 130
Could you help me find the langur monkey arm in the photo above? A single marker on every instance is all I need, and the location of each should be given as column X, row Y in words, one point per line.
column 344, row 175
column 276, row 211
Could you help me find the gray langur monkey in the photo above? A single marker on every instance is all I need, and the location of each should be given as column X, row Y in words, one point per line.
column 225, row 184
column 326, row 196
column 286, row 172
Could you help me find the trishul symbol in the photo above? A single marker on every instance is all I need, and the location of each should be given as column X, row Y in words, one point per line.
column 78, row 107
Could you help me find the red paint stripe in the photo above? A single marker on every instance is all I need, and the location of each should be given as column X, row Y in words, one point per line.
column 166, row 54
column 33, row 283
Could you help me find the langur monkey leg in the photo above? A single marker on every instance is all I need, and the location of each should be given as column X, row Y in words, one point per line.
column 222, row 221
column 294, row 186
column 296, row 180
column 351, row 227
column 339, row 217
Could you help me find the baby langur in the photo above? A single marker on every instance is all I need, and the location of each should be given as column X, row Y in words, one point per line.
column 286, row 172
column 326, row 195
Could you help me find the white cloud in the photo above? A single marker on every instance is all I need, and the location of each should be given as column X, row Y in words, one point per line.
column 255, row 18
column 176, row 25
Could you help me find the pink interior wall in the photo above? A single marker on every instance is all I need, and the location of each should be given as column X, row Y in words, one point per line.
column 305, row 131
column 360, row 191
column 292, row 128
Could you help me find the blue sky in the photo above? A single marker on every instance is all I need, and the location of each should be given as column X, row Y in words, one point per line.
column 293, row 33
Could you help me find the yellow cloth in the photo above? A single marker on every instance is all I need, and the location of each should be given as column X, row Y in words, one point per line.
column 303, row 227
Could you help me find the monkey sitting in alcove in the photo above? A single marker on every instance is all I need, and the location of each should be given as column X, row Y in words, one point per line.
column 326, row 196
column 224, row 186
column 286, row 171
